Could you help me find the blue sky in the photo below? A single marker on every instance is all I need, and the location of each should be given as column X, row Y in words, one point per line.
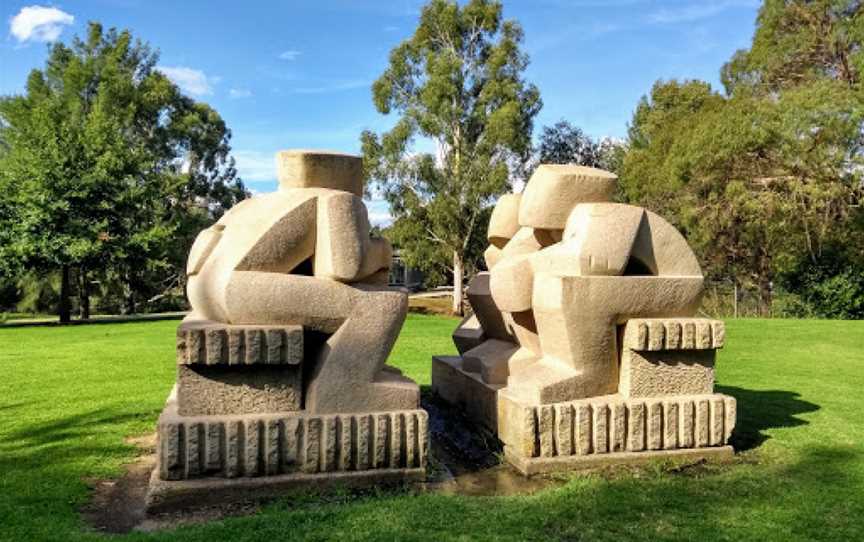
column 297, row 74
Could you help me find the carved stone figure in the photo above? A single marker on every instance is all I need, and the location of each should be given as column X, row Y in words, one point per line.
column 560, row 342
column 281, row 364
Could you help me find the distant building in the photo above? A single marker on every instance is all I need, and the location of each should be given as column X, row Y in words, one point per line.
column 403, row 275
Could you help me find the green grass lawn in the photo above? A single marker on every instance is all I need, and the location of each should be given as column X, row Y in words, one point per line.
column 69, row 397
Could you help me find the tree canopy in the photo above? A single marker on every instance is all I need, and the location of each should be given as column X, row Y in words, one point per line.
column 767, row 177
column 457, row 83
column 107, row 169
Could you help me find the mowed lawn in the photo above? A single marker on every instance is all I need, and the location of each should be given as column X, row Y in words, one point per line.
column 70, row 396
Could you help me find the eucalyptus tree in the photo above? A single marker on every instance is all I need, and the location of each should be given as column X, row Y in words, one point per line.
column 456, row 83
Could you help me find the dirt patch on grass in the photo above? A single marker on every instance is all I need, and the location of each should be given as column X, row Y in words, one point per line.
column 464, row 460
column 431, row 305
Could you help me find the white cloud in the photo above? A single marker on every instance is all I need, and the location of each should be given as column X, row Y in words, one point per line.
column 256, row 166
column 39, row 23
column 697, row 11
column 240, row 93
column 326, row 88
column 193, row 81
column 290, row 54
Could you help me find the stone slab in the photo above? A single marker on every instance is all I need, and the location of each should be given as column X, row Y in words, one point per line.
column 529, row 466
column 219, row 389
column 669, row 356
column 465, row 390
column 666, row 373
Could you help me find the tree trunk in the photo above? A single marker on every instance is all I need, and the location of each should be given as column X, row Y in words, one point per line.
column 458, row 271
column 766, row 295
column 130, row 295
column 65, row 305
column 130, row 302
column 83, row 295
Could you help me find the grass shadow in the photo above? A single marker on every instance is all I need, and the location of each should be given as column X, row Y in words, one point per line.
column 760, row 410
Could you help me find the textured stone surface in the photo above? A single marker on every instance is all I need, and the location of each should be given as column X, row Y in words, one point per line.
column 304, row 256
column 173, row 495
column 468, row 334
column 585, row 343
column 238, row 390
column 530, row 466
column 603, row 425
column 202, row 342
column 669, row 356
column 270, row 444
column 553, row 190
column 299, row 168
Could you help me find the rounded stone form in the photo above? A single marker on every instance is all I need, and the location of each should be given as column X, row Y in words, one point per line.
column 504, row 222
column 554, row 189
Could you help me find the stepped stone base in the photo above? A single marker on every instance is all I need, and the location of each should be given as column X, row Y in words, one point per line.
column 208, row 458
column 544, row 465
column 589, row 432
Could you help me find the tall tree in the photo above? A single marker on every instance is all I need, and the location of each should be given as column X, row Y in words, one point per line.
column 564, row 143
column 106, row 163
column 766, row 178
column 457, row 82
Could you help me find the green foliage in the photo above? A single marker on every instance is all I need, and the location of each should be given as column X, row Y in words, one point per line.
column 564, row 143
column 106, row 167
column 457, row 82
column 768, row 175
column 834, row 288
column 432, row 258
column 798, row 42
column 37, row 292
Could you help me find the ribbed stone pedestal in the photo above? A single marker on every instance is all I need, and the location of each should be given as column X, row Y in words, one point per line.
column 234, row 427
column 202, row 459
column 607, row 430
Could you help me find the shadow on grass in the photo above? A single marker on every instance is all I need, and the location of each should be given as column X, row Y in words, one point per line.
column 67, row 439
column 760, row 410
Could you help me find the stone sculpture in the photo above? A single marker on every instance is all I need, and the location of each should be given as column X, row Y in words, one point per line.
column 281, row 375
column 583, row 347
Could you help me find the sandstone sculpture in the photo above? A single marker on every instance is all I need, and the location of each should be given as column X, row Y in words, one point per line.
column 281, row 375
column 583, row 347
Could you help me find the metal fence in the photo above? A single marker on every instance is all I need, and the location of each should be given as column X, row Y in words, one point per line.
column 725, row 299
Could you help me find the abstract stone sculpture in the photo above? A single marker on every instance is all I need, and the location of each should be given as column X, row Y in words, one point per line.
column 583, row 348
column 281, row 364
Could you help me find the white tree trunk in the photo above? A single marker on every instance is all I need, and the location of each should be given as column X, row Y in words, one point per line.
column 458, row 271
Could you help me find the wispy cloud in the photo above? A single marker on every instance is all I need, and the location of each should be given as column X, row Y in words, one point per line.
column 193, row 81
column 39, row 23
column 240, row 93
column 337, row 86
column 391, row 28
column 255, row 166
column 290, row 54
column 379, row 212
column 576, row 32
column 697, row 11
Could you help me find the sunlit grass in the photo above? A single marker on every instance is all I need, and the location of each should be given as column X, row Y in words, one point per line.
column 69, row 396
